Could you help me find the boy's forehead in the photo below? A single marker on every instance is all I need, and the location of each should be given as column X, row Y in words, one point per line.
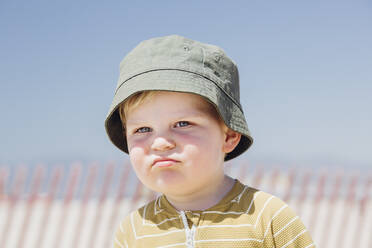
column 176, row 110
column 179, row 99
column 174, row 104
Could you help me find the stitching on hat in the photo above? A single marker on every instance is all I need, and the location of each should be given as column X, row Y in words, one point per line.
column 203, row 59
column 172, row 69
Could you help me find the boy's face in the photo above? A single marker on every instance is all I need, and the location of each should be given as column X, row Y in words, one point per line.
column 176, row 145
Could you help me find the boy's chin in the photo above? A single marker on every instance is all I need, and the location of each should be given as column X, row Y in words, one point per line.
column 170, row 186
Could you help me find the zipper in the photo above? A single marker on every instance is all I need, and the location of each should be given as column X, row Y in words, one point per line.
column 190, row 233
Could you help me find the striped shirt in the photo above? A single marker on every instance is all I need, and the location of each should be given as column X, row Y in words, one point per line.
column 245, row 217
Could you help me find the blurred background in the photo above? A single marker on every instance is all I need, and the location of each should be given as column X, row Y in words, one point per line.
column 306, row 87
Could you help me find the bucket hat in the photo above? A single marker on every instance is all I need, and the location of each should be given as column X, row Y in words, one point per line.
column 176, row 63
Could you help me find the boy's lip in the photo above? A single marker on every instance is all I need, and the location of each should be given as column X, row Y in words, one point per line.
column 164, row 162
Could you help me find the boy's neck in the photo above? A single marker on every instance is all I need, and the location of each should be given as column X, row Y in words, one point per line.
column 204, row 199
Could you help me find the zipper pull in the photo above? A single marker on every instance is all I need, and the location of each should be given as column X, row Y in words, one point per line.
column 184, row 220
column 189, row 232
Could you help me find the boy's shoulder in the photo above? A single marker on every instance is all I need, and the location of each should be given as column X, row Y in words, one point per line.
column 251, row 201
column 155, row 211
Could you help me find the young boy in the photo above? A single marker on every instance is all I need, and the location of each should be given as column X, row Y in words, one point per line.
column 177, row 112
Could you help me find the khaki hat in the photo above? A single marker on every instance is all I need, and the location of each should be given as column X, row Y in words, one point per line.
column 175, row 63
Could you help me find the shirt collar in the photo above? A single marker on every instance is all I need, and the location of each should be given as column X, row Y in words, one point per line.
column 233, row 196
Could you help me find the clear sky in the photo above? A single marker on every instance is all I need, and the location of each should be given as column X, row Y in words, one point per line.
column 305, row 74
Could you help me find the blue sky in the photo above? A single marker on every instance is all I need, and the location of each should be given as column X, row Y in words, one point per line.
column 305, row 74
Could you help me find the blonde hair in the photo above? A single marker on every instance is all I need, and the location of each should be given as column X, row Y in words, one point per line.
column 144, row 96
column 133, row 102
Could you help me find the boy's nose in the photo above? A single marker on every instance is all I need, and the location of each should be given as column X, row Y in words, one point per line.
column 162, row 144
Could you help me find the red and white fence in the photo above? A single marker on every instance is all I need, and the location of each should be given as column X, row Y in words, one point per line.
column 80, row 205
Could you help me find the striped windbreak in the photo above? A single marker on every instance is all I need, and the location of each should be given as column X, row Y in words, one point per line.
column 245, row 217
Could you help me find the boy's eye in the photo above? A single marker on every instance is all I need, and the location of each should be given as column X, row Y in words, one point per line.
column 182, row 124
column 143, row 130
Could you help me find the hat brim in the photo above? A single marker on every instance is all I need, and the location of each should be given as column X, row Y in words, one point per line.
column 178, row 81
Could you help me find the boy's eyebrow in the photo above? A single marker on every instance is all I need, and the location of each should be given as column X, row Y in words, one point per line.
column 190, row 114
column 134, row 122
column 193, row 114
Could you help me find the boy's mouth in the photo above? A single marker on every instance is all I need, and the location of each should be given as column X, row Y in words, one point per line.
column 164, row 162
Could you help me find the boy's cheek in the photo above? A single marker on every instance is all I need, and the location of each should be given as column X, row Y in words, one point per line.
column 138, row 161
column 136, row 152
column 136, row 143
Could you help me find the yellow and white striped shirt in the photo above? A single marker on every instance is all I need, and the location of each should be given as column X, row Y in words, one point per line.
column 245, row 217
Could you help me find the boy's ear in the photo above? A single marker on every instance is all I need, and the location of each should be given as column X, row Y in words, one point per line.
column 232, row 139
